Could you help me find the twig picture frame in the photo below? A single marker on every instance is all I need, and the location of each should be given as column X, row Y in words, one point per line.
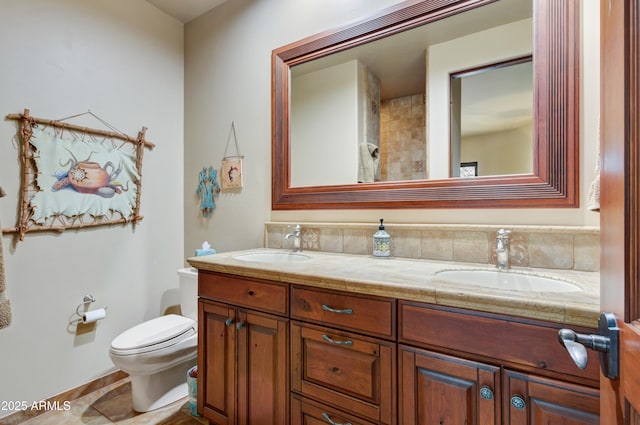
column 75, row 177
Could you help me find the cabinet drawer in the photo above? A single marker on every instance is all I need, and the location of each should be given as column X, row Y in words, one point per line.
column 344, row 369
column 245, row 292
column 362, row 313
column 500, row 338
column 309, row 412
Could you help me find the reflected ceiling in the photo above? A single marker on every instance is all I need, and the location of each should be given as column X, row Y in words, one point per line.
column 399, row 60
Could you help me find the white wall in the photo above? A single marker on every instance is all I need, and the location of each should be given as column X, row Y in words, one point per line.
column 501, row 152
column 514, row 39
column 325, row 119
column 123, row 60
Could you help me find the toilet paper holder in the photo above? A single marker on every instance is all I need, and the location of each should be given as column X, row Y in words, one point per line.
column 88, row 299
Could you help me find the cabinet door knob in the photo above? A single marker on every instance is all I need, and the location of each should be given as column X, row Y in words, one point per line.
column 228, row 322
column 518, row 402
column 333, row 341
column 329, row 420
column 486, row 392
column 239, row 325
column 333, row 310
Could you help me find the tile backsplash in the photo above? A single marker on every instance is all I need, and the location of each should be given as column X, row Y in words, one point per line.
column 554, row 247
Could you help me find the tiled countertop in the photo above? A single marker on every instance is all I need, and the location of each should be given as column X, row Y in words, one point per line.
column 416, row 280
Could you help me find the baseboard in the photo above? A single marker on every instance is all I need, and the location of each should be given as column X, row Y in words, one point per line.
column 67, row 396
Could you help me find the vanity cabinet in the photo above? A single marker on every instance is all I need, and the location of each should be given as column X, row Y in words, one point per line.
column 279, row 353
column 436, row 388
column 243, row 352
column 496, row 370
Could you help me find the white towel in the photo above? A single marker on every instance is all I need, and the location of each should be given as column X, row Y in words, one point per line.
column 5, row 304
column 368, row 163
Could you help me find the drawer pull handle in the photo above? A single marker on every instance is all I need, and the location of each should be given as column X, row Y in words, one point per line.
column 486, row 392
column 333, row 341
column 228, row 322
column 518, row 402
column 240, row 325
column 328, row 419
column 333, row 310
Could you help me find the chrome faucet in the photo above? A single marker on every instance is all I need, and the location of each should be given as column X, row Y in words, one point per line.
column 296, row 237
column 502, row 249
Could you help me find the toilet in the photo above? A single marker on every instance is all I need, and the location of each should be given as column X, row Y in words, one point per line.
column 158, row 353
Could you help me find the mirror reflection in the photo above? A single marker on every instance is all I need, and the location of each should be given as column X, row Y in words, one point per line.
column 382, row 111
column 492, row 120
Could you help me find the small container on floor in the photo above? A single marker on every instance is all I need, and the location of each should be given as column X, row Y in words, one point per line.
column 192, row 384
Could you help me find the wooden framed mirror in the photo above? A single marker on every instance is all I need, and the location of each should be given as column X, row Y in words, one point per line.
column 554, row 181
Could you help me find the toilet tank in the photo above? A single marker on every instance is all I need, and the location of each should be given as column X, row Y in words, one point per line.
column 188, row 279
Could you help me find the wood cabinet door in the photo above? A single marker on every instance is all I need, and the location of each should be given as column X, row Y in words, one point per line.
column 216, row 362
column 263, row 390
column 439, row 389
column 533, row 400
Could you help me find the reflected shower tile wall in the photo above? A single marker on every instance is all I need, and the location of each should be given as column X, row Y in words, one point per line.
column 402, row 138
column 554, row 247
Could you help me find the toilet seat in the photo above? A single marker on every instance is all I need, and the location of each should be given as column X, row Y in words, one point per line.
column 153, row 335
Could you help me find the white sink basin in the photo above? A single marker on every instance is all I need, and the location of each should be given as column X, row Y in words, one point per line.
column 509, row 280
column 272, row 257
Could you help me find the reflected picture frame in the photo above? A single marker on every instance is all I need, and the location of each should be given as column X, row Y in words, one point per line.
column 469, row 169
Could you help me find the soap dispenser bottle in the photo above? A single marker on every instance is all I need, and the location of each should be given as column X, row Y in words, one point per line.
column 381, row 242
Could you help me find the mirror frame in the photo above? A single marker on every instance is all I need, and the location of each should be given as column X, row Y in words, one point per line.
column 555, row 180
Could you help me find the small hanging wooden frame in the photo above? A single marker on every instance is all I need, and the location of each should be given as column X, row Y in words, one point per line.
column 231, row 170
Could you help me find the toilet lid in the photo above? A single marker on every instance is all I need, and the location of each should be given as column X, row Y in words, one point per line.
column 164, row 330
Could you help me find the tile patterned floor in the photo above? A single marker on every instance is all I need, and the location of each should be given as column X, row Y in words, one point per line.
column 112, row 405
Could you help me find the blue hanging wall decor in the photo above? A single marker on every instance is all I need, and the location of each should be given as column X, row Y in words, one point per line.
column 208, row 189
